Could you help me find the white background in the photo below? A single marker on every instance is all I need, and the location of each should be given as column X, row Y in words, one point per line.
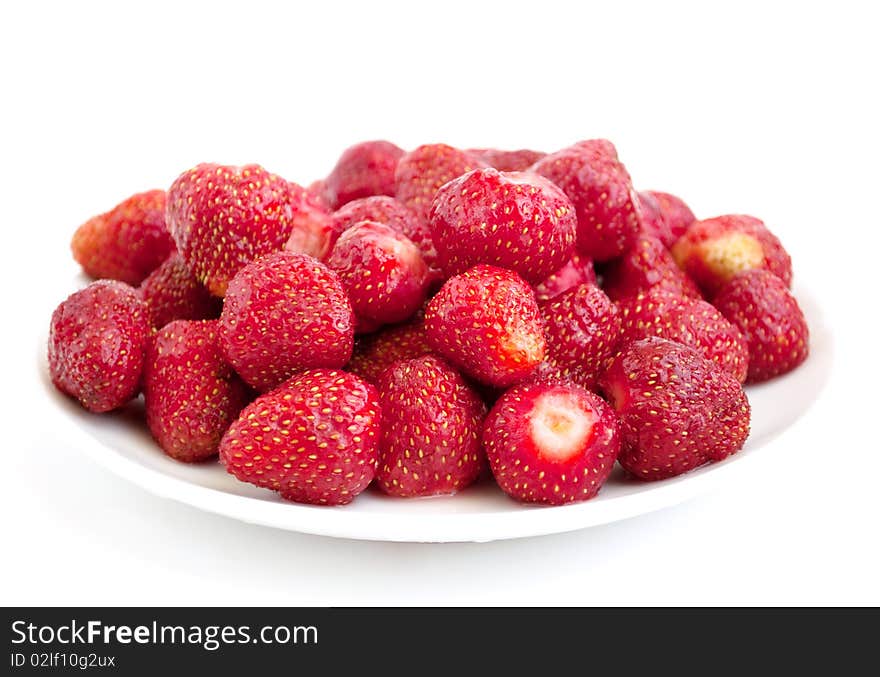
column 763, row 108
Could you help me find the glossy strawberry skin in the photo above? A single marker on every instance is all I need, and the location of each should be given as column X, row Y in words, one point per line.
column 223, row 217
column 128, row 242
column 191, row 394
column 363, row 170
column 381, row 208
column 770, row 319
column 575, row 272
column 507, row 160
column 171, row 292
column 486, row 322
column 664, row 216
column 512, row 220
column 97, row 343
column 374, row 353
column 600, row 189
column 677, row 409
column 714, row 250
column 383, row 273
column 691, row 322
column 431, row 425
column 535, row 463
column 583, row 329
column 422, row 171
column 395, row 215
column 314, row 439
column 645, row 265
column 284, row 313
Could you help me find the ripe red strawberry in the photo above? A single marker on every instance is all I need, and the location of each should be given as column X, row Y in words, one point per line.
column 171, row 292
column 513, row 220
column 664, row 216
column 486, row 322
column 374, row 353
column 313, row 230
column 691, row 322
column 128, row 242
column 284, row 313
column 191, row 394
column 578, row 270
column 431, row 424
column 314, row 439
column 422, row 171
column 395, row 215
column 770, row 319
column 363, row 169
column 601, row 191
column 646, row 265
column 677, row 409
column 224, row 217
column 551, row 443
column 382, row 271
column 379, row 208
column 582, row 327
column 97, row 340
column 507, row 160
column 714, row 250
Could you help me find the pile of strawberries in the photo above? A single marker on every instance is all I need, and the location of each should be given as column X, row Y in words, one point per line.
column 418, row 318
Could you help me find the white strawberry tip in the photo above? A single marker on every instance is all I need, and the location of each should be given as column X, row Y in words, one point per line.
column 560, row 427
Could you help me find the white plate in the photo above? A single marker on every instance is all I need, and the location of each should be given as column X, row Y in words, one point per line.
column 120, row 441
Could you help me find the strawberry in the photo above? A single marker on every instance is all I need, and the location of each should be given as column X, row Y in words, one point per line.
column 431, row 424
column 314, row 439
column 379, row 208
column 128, row 242
column 677, row 409
column 312, row 231
column 171, row 292
column 382, row 271
column 486, row 322
column 513, row 220
column 507, row 160
column 664, row 216
column 691, row 322
column 576, row 271
column 770, row 319
column 191, row 394
column 646, row 265
column 374, row 353
column 97, row 340
column 395, row 215
column 363, row 169
column 317, row 191
column 551, row 443
column 224, row 217
column 582, row 327
column 601, row 191
column 714, row 250
column 283, row 313
column 422, row 171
